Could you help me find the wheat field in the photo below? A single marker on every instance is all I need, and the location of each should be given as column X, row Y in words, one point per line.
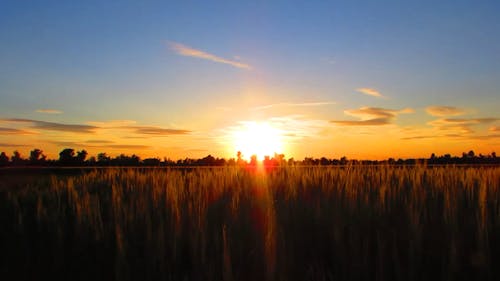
column 231, row 223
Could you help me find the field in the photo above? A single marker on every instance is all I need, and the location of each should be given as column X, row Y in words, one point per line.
column 291, row 223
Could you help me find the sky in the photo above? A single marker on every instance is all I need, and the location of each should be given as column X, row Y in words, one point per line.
column 176, row 79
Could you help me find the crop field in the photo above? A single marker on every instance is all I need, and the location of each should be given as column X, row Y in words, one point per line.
column 232, row 223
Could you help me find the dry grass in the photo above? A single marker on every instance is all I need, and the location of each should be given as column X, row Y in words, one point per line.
column 335, row 223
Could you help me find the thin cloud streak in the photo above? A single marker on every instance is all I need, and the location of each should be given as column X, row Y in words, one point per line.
column 463, row 125
column 126, row 146
column 494, row 129
column 52, row 126
column 12, row 145
column 12, row 131
column 99, row 141
column 111, row 123
column 370, row 92
column 150, row 130
column 371, row 116
column 441, row 111
column 187, row 51
column 49, row 111
column 286, row 104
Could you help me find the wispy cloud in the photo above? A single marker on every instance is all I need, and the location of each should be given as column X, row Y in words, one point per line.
column 99, row 141
column 464, row 125
column 111, row 123
column 494, row 129
column 286, row 104
column 419, row 137
column 150, row 130
column 187, row 51
column 370, row 92
column 485, row 137
column 127, row 146
column 441, row 111
column 457, row 137
column 371, row 116
column 12, row 145
column 12, row 131
column 98, row 145
column 49, row 111
column 52, row 126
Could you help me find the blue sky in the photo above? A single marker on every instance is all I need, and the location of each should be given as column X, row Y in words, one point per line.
column 103, row 61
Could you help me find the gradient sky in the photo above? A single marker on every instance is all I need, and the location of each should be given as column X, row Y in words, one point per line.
column 364, row 79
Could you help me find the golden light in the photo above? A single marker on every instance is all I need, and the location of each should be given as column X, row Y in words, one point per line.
column 257, row 138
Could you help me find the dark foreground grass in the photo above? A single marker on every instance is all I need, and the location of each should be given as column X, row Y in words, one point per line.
column 350, row 223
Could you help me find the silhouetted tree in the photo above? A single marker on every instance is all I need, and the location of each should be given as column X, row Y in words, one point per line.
column 280, row 159
column 207, row 161
column 67, row 156
column 81, row 156
column 4, row 159
column 92, row 161
column 253, row 160
column 343, row 160
column 151, row 161
column 103, row 159
column 37, row 156
column 471, row 154
column 16, row 158
column 240, row 160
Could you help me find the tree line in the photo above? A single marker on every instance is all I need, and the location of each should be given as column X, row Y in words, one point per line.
column 69, row 157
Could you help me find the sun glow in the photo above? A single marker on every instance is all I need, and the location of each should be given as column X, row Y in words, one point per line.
column 260, row 139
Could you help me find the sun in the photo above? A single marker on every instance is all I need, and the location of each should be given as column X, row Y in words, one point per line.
column 257, row 138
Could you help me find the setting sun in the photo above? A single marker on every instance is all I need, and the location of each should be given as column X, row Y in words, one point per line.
column 260, row 139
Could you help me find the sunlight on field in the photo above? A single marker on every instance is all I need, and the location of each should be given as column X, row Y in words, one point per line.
column 310, row 223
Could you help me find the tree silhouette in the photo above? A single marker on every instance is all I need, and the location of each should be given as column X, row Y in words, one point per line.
column 81, row 155
column 16, row 158
column 253, row 160
column 66, row 156
column 4, row 159
column 103, row 158
column 37, row 156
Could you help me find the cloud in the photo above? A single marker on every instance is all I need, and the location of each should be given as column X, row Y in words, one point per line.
column 150, row 130
column 461, row 121
column 66, row 143
column 441, row 111
column 126, row 146
column 371, row 116
column 494, row 129
column 370, row 92
column 485, row 137
column 49, row 111
column 371, row 122
column 286, row 104
column 418, row 137
column 99, row 141
column 187, row 51
column 98, row 145
column 460, row 124
column 51, row 126
column 12, row 145
column 111, row 123
column 12, row 131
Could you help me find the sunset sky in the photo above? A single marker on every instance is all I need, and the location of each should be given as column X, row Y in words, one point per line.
column 364, row 79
